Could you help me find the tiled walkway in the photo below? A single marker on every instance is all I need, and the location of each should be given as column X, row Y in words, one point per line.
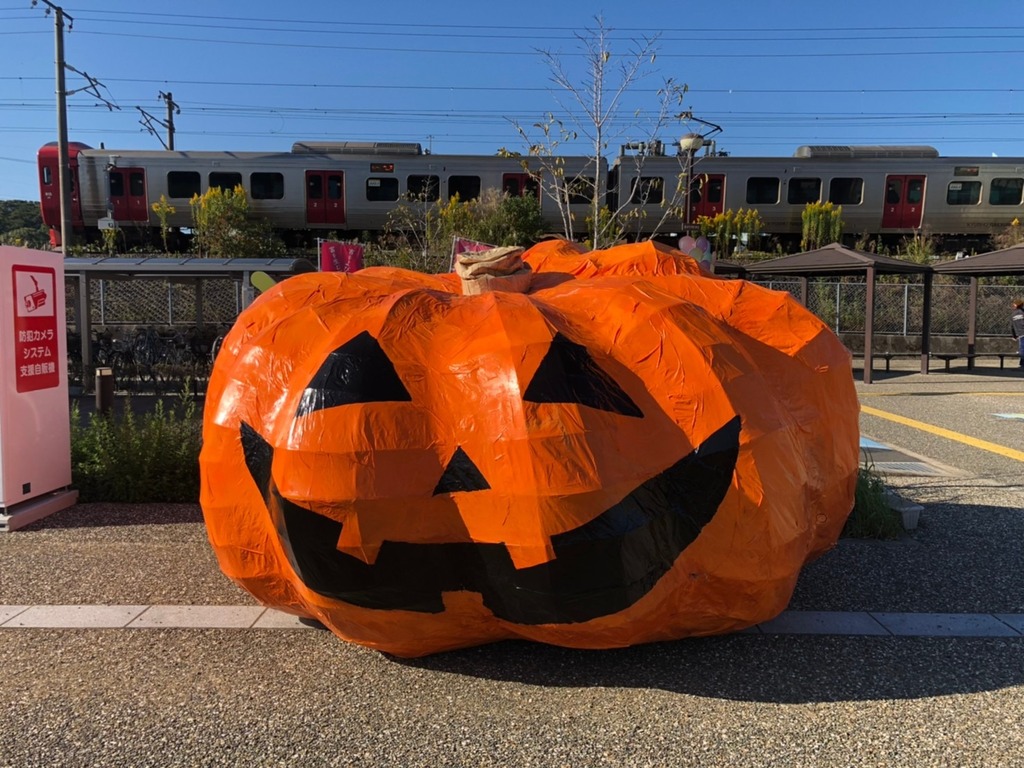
column 253, row 617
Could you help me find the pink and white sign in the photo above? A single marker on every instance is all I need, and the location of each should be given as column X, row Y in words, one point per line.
column 36, row 355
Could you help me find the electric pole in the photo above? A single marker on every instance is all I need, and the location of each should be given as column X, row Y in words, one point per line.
column 169, row 123
column 63, row 171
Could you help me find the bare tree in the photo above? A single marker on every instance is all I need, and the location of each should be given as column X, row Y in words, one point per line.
column 592, row 109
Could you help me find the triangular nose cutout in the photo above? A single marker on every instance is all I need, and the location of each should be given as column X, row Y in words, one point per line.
column 461, row 475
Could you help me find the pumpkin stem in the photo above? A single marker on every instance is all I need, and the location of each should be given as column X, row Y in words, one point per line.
column 499, row 269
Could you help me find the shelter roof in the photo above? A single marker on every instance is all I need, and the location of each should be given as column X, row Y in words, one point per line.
column 834, row 259
column 722, row 267
column 123, row 267
column 1007, row 261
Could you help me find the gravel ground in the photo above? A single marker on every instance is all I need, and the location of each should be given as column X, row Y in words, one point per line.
column 302, row 697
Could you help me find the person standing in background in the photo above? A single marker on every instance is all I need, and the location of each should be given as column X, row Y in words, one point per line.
column 1017, row 327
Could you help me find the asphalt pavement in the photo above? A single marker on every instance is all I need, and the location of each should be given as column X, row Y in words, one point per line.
column 291, row 695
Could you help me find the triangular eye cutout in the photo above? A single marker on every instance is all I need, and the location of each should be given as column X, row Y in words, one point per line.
column 568, row 374
column 356, row 372
column 461, row 475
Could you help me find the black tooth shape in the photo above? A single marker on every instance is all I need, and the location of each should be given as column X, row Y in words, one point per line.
column 598, row 569
column 259, row 456
column 568, row 374
column 358, row 371
column 460, row 475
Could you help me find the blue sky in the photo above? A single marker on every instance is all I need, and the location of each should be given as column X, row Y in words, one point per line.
column 453, row 76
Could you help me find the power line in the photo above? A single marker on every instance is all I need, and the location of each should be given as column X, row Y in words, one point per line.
column 306, row 45
column 687, row 30
column 534, row 89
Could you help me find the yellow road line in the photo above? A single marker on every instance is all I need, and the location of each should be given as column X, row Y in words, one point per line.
column 949, row 434
column 940, row 394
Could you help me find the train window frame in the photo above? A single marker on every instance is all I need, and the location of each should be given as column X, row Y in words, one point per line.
column 964, row 193
column 709, row 189
column 187, row 183
column 217, row 179
column 381, row 189
column 646, row 190
column 460, row 183
column 335, row 186
column 136, row 183
column 846, row 190
column 803, row 190
column 423, row 187
column 115, row 183
column 266, row 185
column 1001, row 197
column 757, row 186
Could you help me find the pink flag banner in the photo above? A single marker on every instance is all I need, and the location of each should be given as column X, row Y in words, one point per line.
column 464, row 245
column 340, row 257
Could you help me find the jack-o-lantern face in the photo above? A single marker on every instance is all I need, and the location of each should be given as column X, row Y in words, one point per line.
column 423, row 470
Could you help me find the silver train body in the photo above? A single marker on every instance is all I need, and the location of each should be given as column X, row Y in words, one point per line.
column 350, row 187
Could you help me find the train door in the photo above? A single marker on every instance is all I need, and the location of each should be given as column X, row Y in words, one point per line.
column 128, row 194
column 904, row 202
column 520, row 185
column 325, row 197
column 707, row 195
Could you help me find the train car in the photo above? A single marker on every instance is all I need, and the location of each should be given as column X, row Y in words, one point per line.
column 885, row 191
column 319, row 187
column 350, row 187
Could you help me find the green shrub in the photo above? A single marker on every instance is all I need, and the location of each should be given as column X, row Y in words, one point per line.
column 125, row 457
column 872, row 517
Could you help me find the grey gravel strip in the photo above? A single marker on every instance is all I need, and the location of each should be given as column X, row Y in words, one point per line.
column 845, row 623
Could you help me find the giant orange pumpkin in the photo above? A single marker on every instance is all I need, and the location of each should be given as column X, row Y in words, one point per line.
column 631, row 451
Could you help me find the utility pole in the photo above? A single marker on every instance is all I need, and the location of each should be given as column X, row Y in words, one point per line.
column 169, row 123
column 64, row 171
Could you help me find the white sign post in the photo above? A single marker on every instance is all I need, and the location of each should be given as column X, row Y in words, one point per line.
column 35, row 426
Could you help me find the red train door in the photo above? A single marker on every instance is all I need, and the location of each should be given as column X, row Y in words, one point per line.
column 520, row 185
column 325, row 197
column 904, row 202
column 707, row 195
column 128, row 194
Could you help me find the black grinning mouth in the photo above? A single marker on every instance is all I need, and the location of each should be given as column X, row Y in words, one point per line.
column 600, row 568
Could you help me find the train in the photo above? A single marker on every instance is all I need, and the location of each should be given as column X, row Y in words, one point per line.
column 348, row 189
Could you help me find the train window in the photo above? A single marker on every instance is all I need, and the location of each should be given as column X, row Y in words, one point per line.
column 266, row 186
column 424, row 188
column 1006, row 192
column 713, row 189
column 466, row 187
column 846, row 191
column 225, row 179
column 116, row 184
column 380, row 190
column 47, row 175
column 334, row 187
column 314, row 186
column 136, row 184
column 762, row 190
column 915, row 191
column 962, row 193
column 892, row 192
column 182, row 184
column 803, row 191
column 581, row 190
column 647, row 190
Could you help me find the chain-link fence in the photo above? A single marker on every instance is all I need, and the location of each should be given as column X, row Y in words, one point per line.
column 899, row 307
column 149, row 331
